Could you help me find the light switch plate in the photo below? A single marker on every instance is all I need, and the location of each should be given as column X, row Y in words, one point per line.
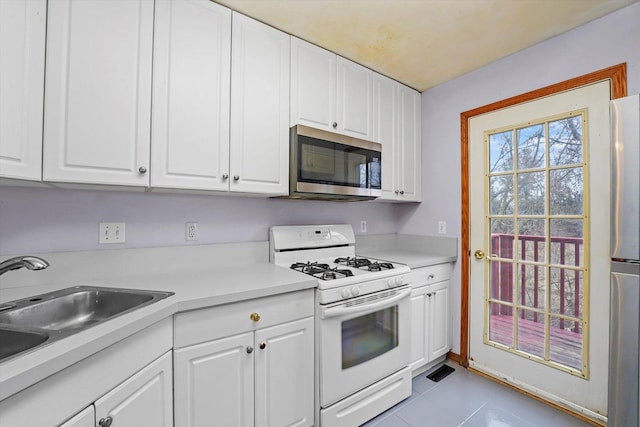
column 112, row 232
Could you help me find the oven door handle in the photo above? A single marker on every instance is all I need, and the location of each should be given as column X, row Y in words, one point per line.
column 341, row 310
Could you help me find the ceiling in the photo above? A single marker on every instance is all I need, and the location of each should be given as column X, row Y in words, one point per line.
column 423, row 43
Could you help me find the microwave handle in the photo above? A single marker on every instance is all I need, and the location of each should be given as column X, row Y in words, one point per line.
column 341, row 310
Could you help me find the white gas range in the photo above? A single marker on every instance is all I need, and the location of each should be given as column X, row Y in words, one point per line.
column 363, row 316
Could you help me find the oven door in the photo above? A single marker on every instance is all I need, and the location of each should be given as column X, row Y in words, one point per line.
column 362, row 340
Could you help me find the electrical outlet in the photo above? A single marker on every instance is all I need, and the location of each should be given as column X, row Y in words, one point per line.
column 191, row 231
column 442, row 227
column 363, row 226
column 112, row 232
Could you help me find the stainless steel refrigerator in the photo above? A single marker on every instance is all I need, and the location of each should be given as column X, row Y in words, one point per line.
column 624, row 351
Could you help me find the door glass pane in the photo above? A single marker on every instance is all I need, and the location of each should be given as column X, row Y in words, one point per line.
column 501, row 152
column 501, row 281
column 531, row 147
column 366, row 337
column 537, row 216
column 531, row 193
column 502, row 239
column 567, row 288
column 531, row 239
column 566, row 242
column 566, row 192
column 532, row 286
column 565, row 141
column 531, row 333
column 501, row 324
column 501, row 188
column 566, row 342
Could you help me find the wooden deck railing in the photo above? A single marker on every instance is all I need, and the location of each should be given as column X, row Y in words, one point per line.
column 567, row 250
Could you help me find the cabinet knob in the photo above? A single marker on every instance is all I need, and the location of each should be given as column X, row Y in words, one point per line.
column 401, row 191
column 335, row 125
column 142, row 170
column 431, row 276
column 397, row 191
column 262, row 345
column 255, row 317
column 429, row 294
column 236, row 177
column 225, row 176
column 249, row 349
column 105, row 422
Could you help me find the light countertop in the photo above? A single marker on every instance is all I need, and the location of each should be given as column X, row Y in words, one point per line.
column 193, row 288
column 414, row 259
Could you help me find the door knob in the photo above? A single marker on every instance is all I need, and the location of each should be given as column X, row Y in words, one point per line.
column 478, row 254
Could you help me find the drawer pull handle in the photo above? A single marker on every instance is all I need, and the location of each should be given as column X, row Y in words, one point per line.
column 255, row 317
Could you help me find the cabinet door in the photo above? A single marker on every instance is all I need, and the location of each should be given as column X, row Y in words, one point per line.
column 385, row 131
column 284, row 364
column 98, row 91
column 409, row 161
column 214, row 381
column 418, row 327
column 86, row 418
column 22, row 41
column 313, row 85
column 143, row 400
column 438, row 320
column 191, row 95
column 259, row 108
column 355, row 99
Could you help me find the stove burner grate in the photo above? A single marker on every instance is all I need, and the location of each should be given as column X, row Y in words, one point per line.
column 364, row 264
column 321, row 271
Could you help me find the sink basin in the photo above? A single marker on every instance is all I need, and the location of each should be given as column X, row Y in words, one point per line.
column 16, row 341
column 42, row 319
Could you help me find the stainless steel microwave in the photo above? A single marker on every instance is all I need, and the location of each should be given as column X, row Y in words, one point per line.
column 329, row 166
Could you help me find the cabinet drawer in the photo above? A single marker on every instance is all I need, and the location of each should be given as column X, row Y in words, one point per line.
column 207, row 324
column 429, row 275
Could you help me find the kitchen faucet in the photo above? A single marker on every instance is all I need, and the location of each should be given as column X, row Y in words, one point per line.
column 30, row 262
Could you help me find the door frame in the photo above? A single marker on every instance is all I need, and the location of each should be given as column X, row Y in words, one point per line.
column 616, row 75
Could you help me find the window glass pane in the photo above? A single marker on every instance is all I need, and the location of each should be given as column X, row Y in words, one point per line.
column 567, row 292
column 566, row 191
column 501, row 152
column 532, row 286
column 565, row 141
column 501, row 281
column 531, row 332
column 502, row 238
column 531, row 239
column 531, row 193
column 501, row 324
column 501, row 197
column 565, row 342
column 369, row 336
column 531, row 147
column 567, row 246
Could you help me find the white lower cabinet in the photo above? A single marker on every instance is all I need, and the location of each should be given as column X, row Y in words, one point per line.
column 246, row 364
column 144, row 400
column 431, row 316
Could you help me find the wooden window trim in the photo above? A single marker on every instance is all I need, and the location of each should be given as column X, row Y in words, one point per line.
column 617, row 76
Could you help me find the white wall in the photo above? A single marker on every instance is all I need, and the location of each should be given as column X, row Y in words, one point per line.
column 53, row 220
column 608, row 41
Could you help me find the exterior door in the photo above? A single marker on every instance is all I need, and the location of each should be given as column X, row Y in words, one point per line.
column 539, row 230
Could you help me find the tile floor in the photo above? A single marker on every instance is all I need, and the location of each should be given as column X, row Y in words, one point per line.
column 467, row 399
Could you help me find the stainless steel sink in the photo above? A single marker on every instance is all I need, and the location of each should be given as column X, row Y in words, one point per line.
column 31, row 322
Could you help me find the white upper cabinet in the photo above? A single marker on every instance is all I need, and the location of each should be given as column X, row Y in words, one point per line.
column 397, row 128
column 259, row 148
column 22, row 41
column 329, row 92
column 97, row 117
column 191, row 95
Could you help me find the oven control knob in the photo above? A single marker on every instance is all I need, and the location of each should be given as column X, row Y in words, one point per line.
column 391, row 283
column 355, row 291
column 345, row 293
column 399, row 281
